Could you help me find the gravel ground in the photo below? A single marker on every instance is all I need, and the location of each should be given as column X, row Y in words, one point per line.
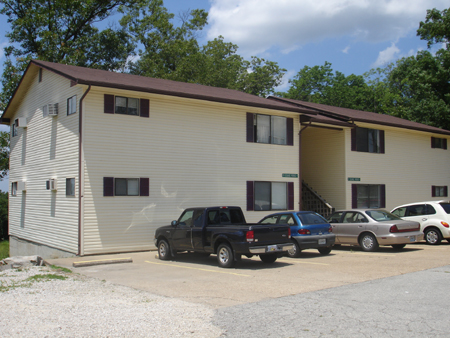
column 77, row 306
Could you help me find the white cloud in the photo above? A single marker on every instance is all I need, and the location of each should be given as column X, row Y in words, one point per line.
column 386, row 56
column 346, row 49
column 258, row 25
column 285, row 85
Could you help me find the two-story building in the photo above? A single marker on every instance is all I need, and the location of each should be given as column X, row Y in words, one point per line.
column 100, row 159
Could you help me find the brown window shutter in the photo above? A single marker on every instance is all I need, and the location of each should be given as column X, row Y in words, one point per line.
column 144, row 186
column 445, row 191
column 381, row 141
column 444, row 143
column 290, row 131
column 108, row 186
column 250, row 196
column 144, row 108
column 108, row 104
column 382, row 196
column 353, row 139
column 354, row 196
column 291, row 196
column 433, row 191
column 250, row 129
column 432, row 142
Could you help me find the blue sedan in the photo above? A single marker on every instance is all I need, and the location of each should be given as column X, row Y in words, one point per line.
column 309, row 230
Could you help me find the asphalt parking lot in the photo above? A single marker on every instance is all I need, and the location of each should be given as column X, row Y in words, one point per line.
column 198, row 279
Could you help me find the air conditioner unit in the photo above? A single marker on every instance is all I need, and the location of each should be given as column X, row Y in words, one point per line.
column 21, row 122
column 51, row 184
column 22, row 185
column 50, row 109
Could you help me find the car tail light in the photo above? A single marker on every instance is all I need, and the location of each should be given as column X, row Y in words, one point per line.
column 330, row 229
column 445, row 224
column 289, row 232
column 393, row 229
column 250, row 236
column 304, row 232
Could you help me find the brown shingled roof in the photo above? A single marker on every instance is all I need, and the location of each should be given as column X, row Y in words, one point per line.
column 102, row 78
column 359, row 116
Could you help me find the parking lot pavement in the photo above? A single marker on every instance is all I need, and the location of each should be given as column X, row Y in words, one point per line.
column 198, row 279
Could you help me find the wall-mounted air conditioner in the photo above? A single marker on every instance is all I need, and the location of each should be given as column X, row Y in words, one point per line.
column 50, row 109
column 51, row 184
column 21, row 122
column 22, row 185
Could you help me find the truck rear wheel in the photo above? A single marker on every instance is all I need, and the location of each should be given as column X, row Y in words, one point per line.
column 225, row 256
column 164, row 250
column 269, row 258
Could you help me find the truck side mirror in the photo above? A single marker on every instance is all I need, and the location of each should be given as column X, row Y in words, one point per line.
column 174, row 223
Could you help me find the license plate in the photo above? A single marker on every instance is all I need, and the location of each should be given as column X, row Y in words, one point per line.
column 271, row 248
column 322, row 241
column 412, row 239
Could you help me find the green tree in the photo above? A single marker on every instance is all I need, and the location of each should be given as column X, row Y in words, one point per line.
column 4, row 154
column 61, row 31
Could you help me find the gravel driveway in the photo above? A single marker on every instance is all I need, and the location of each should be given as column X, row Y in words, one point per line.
column 43, row 306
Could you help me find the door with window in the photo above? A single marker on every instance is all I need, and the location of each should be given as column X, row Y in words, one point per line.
column 353, row 223
column 182, row 234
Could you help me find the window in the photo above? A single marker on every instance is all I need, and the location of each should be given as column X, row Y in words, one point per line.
column 354, row 217
column 368, row 196
column 40, row 75
column 311, row 218
column 126, row 105
column 368, row 140
column 126, row 186
column 70, row 186
column 263, row 196
column 439, row 191
column 440, row 143
column 14, row 129
column 72, row 105
column 14, row 189
column 270, row 129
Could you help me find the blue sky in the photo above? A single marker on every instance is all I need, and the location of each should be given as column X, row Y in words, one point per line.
column 354, row 35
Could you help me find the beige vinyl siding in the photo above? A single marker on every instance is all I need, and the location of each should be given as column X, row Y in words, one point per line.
column 323, row 163
column 194, row 153
column 408, row 168
column 47, row 148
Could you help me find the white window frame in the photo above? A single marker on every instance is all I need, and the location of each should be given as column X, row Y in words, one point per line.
column 72, row 105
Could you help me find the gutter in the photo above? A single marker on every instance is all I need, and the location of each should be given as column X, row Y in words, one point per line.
column 80, row 169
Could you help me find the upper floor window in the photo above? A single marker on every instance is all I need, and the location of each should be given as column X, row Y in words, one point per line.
column 440, row 143
column 126, row 105
column 14, row 189
column 126, row 186
column 14, row 129
column 40, row 75
column 368, row 140
column 72, row 105
column 70, row 186
column 270, row 129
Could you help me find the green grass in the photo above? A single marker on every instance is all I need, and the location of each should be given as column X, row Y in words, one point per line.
column 60, row 268
column 44, row 278
column 4, row 249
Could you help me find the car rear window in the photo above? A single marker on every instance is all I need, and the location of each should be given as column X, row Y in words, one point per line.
column 446, row 207
column 311, row 218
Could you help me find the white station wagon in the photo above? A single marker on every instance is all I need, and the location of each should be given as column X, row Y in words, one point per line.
column 433, row 216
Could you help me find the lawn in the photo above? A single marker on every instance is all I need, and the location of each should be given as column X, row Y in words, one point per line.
column 4, row 249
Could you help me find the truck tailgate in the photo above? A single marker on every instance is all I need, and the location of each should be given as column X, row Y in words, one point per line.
column 270, row 234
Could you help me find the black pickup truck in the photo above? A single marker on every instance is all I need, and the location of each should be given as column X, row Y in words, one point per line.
column 222, row 231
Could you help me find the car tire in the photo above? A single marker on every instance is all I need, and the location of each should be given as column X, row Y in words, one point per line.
column 269, row 258
column 296, row 251
column 225, row 256
column 368, row 242
column 398, row 246
column 325, row 251
column 448, row 240
column 164, row 250
column 432, row 236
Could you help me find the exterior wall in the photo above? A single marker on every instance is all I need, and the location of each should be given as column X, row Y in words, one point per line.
column 194, row 153
column 323, row 163
column 408, row 168
column 47, row 148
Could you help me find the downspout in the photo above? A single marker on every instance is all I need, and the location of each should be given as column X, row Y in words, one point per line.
column 80, row 169
column 300, row 185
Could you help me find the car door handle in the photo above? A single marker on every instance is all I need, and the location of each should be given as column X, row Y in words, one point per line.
column 424, row 219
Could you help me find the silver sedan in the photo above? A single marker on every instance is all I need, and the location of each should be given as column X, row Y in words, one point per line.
column 370, row 228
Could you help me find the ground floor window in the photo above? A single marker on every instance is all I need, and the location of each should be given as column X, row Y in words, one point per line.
column 114, row 186
column 264, row 195
column 70, row 186
column 439, row 191
column 368, row 196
